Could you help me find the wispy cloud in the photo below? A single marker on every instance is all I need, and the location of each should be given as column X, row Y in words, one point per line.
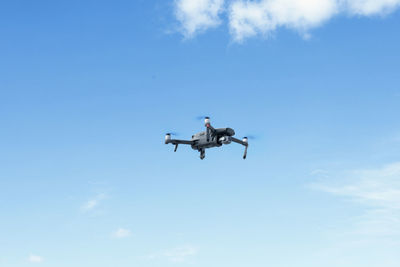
column 35, row 258
column 319, row 173
column 378, row 190
column 121, row 233
column 176, row 255
column 92, row 203
column 263, row 17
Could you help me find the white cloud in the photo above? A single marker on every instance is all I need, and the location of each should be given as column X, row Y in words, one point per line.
column 262, row 17
column 372, row 7
column 92, row 203
column 198, row 15
column 247, row 19
column 121, row 233
column 177, row 255
column 35, row 258
column 378, row 190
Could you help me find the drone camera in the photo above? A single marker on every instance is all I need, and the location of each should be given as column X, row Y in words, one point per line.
column 225, row 140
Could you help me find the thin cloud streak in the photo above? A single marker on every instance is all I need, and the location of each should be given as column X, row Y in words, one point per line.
column 35, row 258
column 121, row 233
column 176, row 255
column 92, row 203
column 378, row 190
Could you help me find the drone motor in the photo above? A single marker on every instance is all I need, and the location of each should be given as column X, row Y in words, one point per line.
column 167, row 138
column 207, row 121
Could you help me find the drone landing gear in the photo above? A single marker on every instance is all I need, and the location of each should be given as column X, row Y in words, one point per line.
column 202, row 154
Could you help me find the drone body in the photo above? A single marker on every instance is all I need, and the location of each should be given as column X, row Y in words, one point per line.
column 211, row 137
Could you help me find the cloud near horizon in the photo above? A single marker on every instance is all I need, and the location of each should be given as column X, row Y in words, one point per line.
column 261, row 18
column 35, row 258
column 177, row 254
column 378, row 191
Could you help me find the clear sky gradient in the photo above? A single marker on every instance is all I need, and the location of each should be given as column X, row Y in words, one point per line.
column 89, row 88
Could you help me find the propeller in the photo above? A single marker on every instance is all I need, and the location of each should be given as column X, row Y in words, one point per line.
column 199, row 118
column 173, row 133
column 252, row 137
column 168, row 137
column 246, row 143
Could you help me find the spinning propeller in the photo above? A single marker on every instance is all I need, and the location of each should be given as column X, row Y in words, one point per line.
column 202, row 117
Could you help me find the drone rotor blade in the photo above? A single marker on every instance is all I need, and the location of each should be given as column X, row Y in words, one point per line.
column 173, row 133
column 202, row 117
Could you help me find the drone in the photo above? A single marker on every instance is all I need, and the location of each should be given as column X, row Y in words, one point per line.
column 211, row 137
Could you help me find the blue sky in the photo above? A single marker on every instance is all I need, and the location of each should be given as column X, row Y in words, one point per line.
column 88, row 90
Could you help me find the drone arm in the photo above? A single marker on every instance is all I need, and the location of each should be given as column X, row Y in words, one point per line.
column 212, row 129
column 177, row 142
column 239, row 141
column 209, row 131
column 245, row 143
